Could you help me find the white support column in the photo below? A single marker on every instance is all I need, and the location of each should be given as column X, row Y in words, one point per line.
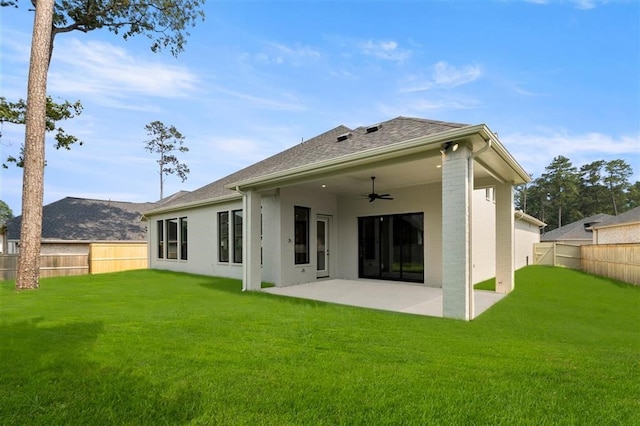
column 456, row 226
column 504, row 238
column 251, row 241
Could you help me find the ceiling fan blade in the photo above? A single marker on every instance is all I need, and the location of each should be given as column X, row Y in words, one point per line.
column 385, row 198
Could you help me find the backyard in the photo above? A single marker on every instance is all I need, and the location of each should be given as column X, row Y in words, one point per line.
column 152, row 347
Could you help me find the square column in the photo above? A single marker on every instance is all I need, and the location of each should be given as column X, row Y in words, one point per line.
column 251, row 241
column 504, row 238
column 457, row 175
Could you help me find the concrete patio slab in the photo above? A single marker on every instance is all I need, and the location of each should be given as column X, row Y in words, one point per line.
column 385, row 295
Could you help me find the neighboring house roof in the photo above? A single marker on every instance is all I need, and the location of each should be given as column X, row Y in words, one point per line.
column 628, row 217
column 579, row 230
column 80, row 219
column 322, row 148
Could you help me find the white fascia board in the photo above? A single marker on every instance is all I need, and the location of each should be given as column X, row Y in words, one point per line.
column 506, row 156
column 193, row 204
column 520, row 215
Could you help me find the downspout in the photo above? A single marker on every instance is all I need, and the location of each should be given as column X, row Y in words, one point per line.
column 470, row 203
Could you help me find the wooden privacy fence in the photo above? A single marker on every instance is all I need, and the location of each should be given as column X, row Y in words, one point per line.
column 617, row 261
column 557, row 254
column 51, row 265
column 102, row 257
column 114, row 257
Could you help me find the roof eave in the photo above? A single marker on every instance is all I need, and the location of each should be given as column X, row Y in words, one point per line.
column 193, row 204
column 410, row 146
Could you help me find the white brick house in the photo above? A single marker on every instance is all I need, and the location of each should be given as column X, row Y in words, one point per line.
column 304, row 214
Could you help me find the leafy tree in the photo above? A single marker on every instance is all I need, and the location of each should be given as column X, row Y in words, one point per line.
column 633, row 196
column 559, row 190
column 166, row 141
column 5, row 212
column 617, row 181
column 592, row 190
column 15, row 112
column 164, row 22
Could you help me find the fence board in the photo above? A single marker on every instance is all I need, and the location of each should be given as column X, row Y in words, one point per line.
column 114, row 257
column 617, row 261
column 557, row 254
column 51, row 265
column 102, row 257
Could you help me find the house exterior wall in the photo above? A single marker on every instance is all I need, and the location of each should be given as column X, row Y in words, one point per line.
column 278, row 266
column 624, row 233
column 424, row 199
column 483, row 231
column 320, row 203
column 526, row 235
column 202, row 238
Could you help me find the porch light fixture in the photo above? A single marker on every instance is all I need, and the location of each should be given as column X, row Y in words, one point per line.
column 449, row 147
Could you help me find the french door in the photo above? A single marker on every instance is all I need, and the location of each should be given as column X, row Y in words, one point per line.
column 322, row 237
column 391, row 247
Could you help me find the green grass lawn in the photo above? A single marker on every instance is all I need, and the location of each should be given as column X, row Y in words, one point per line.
column 150, row 347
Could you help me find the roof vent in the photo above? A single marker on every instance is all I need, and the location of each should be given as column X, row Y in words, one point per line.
column 344, row 137
column 374, row 128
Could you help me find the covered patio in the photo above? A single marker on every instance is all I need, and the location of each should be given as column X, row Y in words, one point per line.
column 393, row 296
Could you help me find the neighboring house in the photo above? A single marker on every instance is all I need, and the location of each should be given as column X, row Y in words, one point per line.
column 576, row 233
column 304, row 214
column 69, row 225
column 621, row 229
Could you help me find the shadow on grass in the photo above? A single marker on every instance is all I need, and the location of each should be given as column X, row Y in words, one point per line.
column 48, row 377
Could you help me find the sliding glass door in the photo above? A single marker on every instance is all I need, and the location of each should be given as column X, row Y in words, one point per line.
column 392, row 247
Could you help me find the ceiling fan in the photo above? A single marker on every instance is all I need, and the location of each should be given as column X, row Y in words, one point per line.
column 374, row 196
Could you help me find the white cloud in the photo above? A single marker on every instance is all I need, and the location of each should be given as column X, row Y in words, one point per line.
column 278, row 53
column 104, row 70
column 287, row 102
column 385, row 49
column 579, row 4
column 536, row 150
column 444, row 75
column 450, row 76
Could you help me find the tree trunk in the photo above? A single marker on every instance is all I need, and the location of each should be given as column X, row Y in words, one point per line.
column 28, row 271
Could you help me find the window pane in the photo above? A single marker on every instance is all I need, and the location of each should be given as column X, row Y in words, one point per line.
column 237, row 236
column 301, row 233
column 172, row 238
column 160, row 225
column 183, row 238
column 223, row 236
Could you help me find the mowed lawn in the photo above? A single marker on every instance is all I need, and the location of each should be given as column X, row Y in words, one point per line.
column 151, row 347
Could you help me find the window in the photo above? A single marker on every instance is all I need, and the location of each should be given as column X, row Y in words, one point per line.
column 172, row 238
column 160, row 224
column 183, row 238
column 237, row 236
column 301, row 234
column 223, row 236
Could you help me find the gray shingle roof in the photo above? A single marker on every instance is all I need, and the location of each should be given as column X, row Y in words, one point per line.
column 575, row 231
column 89, row 220
column 629, row 216
column 321, row 148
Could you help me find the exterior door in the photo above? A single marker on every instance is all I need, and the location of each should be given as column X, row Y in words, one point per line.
column 322, row 238
column 392, row 247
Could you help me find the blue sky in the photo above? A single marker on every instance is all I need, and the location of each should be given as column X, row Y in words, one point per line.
column 550, row 77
